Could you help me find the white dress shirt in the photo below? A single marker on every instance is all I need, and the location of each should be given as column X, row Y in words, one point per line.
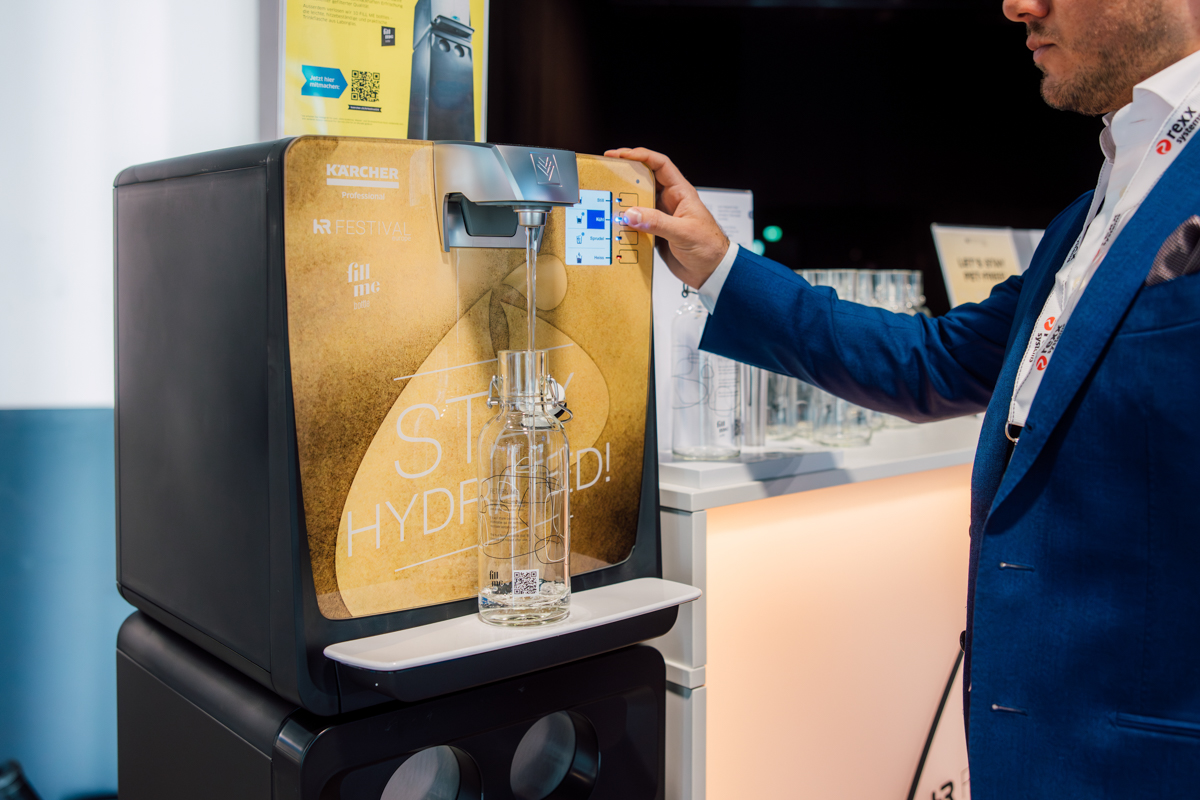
column 1125, row 141
column 712, row 287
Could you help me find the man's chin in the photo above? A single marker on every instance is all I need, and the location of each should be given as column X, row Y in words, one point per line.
column 1063, row 96
column 1052, row 92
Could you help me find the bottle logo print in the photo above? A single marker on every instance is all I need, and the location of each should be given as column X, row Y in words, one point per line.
column 545, row 169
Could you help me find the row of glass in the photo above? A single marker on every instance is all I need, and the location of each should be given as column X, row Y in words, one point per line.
column 901, row 290
column 721, row 406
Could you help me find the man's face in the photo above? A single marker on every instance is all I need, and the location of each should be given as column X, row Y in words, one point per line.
column 1093, row 52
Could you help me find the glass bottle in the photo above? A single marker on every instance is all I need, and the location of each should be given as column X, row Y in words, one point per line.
column 789, row 407
column 705, row 405
column 781, row 406
column 805, row 409
column 754, row 406
column 524, row 513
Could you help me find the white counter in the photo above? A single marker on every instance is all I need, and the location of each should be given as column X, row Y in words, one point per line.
column 779, row 470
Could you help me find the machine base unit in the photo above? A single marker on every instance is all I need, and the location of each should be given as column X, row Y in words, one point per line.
column 190, row 726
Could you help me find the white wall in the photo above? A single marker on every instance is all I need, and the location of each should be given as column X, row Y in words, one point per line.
column 90, row 88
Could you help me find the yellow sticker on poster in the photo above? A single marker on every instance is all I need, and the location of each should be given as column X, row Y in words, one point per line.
column 395, row 69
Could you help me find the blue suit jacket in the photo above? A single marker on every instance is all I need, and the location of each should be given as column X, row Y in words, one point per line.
column 1083, row 666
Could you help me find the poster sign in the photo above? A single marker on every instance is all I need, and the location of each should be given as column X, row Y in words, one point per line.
column 974, row 260
column 395, row 69
column 393, row 341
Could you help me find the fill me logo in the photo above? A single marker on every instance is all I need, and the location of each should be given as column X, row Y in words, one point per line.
column 360, row 276
column 545, row 169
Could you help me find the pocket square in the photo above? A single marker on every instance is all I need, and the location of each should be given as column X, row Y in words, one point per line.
column 1179, row 254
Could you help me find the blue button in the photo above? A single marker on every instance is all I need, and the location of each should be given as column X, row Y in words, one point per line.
column 595, row 219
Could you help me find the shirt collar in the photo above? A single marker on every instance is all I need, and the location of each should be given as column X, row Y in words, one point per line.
column 1172, row 84
column 1153, row 100
column 1107, row 145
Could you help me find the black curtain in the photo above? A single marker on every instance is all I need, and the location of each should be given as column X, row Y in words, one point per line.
column 855, row 127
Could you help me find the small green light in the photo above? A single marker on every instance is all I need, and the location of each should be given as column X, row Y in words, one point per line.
column 772, row 233
column 758, row 247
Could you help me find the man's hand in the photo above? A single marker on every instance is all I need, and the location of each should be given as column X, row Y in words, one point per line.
column 689, row 239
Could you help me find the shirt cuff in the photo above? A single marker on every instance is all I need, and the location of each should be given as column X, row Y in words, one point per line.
column 711, row 289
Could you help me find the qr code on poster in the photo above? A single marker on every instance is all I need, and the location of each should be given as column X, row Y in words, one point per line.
column 364, row 86
column 525, row 582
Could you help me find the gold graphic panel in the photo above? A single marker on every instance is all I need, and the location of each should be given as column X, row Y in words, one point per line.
column 393, row 344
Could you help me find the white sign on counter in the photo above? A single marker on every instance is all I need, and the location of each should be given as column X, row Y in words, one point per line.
column 976, row 259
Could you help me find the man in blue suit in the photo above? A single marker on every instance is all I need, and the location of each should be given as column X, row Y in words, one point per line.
column 1083, row 621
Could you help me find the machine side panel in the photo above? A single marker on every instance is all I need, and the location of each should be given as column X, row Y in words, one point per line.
column 253, row 714
column 230, row 158
column 192, row 402
column 193, row 635
column 154, row 762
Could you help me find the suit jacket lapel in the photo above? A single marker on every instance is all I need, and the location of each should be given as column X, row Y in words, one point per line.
column 992, row 454
column 1099, row 313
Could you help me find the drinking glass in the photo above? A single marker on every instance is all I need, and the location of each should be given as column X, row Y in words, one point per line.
column 781, row 406
column 838, row 423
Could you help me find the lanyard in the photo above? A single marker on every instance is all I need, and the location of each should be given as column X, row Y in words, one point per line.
column 1075, row 273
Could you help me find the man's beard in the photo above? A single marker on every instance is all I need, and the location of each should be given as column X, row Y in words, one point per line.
column 1113, row 56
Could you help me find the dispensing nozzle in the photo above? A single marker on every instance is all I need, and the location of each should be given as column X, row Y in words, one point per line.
column 531, row 217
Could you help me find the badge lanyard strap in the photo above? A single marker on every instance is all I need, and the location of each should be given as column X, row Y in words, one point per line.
column 1169, row 143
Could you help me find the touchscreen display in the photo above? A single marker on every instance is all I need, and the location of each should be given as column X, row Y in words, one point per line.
column 589, row 229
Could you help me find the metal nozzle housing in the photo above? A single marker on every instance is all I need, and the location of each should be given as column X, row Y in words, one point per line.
column 528, row 217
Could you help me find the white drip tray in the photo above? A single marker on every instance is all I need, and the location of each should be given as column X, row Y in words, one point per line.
column 468, row 636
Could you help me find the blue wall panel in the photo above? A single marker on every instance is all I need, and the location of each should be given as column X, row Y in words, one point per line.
column 59, row 607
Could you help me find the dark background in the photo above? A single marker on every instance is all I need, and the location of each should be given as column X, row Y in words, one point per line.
column 856, row 123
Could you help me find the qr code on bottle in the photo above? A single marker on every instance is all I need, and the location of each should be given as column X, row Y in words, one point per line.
column 364, row 86
column 525, row 582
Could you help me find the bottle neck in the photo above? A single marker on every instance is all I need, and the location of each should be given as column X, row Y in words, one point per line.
column 523, row 384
